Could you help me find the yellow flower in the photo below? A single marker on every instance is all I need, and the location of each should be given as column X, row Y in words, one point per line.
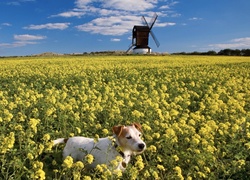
column 99, row 168
column 152, row 148
column 107, row 173
column 78, row 130
column 39, row 174
column 139, row 163
column 89, row 158
column 33, row 123
column 160, row 167
column 40, row 148
column 30, row 156
column 105, row 131
column 179, row 172
column 7, row 143
column 155, row 175
column 18, row 127
column 146, row 174
column 50, row 111
column 116, row 161
column 137, row 114
column 156, row 135
column 37, row 165
column 76, row 175
column 118, row 173
column 174, row 112
column 78, row 165
column 86, row 178
column 176, row 158
column 46, row 137
column 68, row 162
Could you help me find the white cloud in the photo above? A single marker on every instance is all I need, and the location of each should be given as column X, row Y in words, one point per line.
column 6, row 24
column 165, row 24
column 69, row 14
column 60, row 26
column 28, row 37
column 114, row 25
column 195, row 19
column 115, row 40
column 18, row 2
column 23, row 40
column 165, row 7
column 233, row 44
column 129, row 5
column 116, row 17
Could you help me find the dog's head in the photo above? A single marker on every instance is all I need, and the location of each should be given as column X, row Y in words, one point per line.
column 129, row 138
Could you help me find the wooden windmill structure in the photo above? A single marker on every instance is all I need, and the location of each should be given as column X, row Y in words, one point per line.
column 140, row 37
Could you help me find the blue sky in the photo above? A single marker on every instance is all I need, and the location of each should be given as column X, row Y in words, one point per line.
column 76, row 26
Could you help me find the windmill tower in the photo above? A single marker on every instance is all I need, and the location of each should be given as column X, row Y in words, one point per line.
column 140, row 36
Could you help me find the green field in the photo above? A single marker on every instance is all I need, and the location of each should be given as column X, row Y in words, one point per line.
column 194, row 110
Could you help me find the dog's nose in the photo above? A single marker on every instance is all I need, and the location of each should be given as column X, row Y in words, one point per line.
column 141, row 146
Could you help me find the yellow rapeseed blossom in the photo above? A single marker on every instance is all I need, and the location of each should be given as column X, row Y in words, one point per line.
column 139, row 163
column 155, row 175
column 179, row 172
column 39, row 174
column 195, row 108
column 105, row 131
column 33, row 124
column 152, row 148
column 118, row 173
column 67, row 162
column 46, row 137
column 99, row 168
column 87, row 178
column 78, row 165
column 89, row 158
column 176, row 158
column 161, row 167
column 78, row 130
column 30, row 156
column 7, row 143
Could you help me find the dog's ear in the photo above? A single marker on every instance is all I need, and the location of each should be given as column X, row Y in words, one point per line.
column 117, row 130
column 137, row 126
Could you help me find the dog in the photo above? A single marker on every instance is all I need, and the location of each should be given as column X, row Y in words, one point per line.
column 126, row 141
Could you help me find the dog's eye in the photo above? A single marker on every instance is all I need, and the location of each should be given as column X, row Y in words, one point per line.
column 139, row 135
column 129, row 137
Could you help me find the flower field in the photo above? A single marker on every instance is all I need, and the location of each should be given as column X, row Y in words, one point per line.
column 194, row 110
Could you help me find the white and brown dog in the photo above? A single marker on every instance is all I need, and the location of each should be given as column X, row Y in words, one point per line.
column 126, row 141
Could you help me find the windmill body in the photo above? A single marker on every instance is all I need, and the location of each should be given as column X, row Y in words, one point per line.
column 140, row 37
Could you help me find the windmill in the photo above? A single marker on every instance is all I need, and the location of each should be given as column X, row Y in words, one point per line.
column 140, row 35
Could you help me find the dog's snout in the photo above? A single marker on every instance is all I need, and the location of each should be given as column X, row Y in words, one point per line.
column 141, row 146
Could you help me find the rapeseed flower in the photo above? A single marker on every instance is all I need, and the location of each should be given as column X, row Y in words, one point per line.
column 30, row 156
column 152, row 148
column 139, row 163
column 161, row 167
column 7, row 143
column 89, row 158
column 33, row 124
column 87, row 178
column 39, row 174
column 105, row 131
column 67, row 162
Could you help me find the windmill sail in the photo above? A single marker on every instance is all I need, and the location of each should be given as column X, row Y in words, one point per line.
column 152, row 22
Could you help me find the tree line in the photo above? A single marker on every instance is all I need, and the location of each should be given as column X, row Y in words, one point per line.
column 224, row 52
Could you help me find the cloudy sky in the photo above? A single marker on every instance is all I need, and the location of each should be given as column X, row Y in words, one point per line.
column 76, row 26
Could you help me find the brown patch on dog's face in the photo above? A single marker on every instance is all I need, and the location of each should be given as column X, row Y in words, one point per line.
column 137, row 126
column 117, row 130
